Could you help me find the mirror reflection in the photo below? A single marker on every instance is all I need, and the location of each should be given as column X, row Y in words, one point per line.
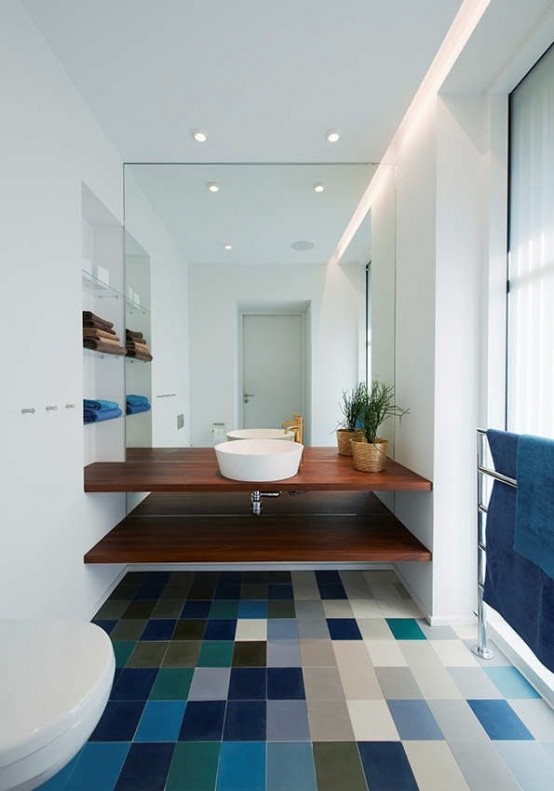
column 274, row 329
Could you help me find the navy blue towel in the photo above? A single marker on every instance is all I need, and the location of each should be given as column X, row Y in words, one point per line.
column 516, row 588
column 137, row 400
column 134, row 409
column 97, row 415
column 534, row 533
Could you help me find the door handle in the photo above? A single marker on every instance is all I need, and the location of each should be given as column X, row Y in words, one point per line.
column 247, row 396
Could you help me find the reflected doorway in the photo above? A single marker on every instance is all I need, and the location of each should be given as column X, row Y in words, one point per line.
column 274, row 369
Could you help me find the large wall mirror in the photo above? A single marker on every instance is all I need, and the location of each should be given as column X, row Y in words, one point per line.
column 272, row 327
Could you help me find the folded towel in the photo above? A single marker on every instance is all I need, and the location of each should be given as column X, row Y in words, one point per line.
column 99, row 404
column 88, row 315
column 139, row 355
column 96, row 332
column 132, row 334
column 137, row 400
column 134, row 409
column 95, row 415
column 534, row 530
column 98, row 345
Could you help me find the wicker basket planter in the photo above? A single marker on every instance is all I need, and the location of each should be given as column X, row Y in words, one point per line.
column 370, row 456
column 343, row 440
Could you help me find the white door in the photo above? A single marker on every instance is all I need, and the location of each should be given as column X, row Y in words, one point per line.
column 273, row 369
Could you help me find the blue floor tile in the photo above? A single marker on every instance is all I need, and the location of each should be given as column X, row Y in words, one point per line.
column 252, row 608
column 386, row 766
column 161, row 721
column 118, row 722
column 285, row 683
column 330, row 591
column 279, row 591
column 60, row 781
column 414, row 720
column 146, row 768
column 196, row 609
column 241, row 766
column 248, row 683
column 134, row 683
column 245, row 721
column 227, row 590
column 290, row 767
column 106, row 625
column 230, row 577
column 203, row 721
column 510, row 683
column 158, row 629
column 328, row 578
column 99, row 766
column 220, row 629
column 282, row 629
column 343, row 629
column 499, row 719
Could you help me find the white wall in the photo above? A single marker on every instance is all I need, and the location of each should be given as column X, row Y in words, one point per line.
column 49, row 145
column 169, row 319
column 337, row 297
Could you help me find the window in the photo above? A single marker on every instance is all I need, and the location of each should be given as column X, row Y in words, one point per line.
column 530, row 382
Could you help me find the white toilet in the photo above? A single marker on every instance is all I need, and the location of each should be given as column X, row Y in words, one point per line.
column 55, row 680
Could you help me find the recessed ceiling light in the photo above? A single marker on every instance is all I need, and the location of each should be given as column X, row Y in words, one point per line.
column 213, row 186
column 332, row 136
column 200, row 136
column 319, row 186
column 302, row 245
column 227, row 246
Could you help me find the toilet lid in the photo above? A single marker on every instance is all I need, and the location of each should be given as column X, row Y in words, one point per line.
column 50, row 673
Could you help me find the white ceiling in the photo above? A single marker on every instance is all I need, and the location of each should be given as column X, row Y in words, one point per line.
column 266, row 80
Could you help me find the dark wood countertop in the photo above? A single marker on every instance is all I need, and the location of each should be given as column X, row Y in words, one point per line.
column 196, row 470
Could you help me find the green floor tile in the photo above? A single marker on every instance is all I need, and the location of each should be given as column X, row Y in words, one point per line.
column 122, row 650
column 194, row 767
column 338, row 767
column 216, row 653
column 147, row 654
column 280, row 608
column 182, row 653
column 405, row 628
column 168, row 608
column 129, row 629
column 224, row 608
column 139, row 609
column 172, row 683
column 190, row 630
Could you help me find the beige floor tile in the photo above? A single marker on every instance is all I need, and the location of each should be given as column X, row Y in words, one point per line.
column 323, row 683
column 466, row 631
column 454, row 653
column 385, row 653
column 304, row 585
column 399, row 608
column 434, row 766
column 337, row 609
column 385, row 590
column 365, row 608
column 251, row 629
column 317, row 653
column 380, row 576
column 329, row 721
column 372, row 721
column 374, row 629
column 355, row 585
column 356, row 671
column 436, row 683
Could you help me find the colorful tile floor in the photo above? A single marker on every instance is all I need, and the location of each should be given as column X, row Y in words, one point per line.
column 303, row 681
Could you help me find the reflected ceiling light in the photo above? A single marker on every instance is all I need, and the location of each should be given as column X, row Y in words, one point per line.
column 200, row 136
column 301, row 244
column 332, row 136
column 213, row 186
column 319, row 186
column 227, row 246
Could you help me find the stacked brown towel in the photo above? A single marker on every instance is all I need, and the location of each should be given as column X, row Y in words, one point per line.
column 136, row 346
column 99, row 334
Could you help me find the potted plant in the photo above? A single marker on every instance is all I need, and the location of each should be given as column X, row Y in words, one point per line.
column 349, row 427
column 369, row 453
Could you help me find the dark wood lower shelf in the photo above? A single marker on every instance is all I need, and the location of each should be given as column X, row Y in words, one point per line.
column 191, row 529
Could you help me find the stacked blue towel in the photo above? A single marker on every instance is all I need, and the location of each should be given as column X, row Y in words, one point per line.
column 97, row 410
column 136, row 404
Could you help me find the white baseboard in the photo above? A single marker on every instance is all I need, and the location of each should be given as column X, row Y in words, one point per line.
column 107, row 593
column 277, row 566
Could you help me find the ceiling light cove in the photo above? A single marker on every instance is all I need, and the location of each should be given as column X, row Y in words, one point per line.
column 332, row 136
column 319, row 186
column 213, row 186
column 199, row 135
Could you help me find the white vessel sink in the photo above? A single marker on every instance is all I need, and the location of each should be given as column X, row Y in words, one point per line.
column 258, row 460
column 261, row 433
